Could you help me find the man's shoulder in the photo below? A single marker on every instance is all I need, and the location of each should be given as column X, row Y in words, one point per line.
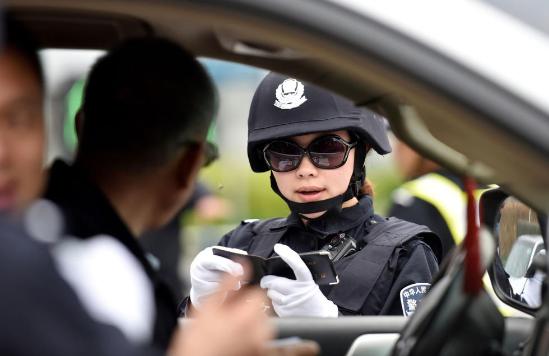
column 392, row 229
column 248, row 229
column 394, row 232
column 85, row 208
column 118, row 287
column 256, row 226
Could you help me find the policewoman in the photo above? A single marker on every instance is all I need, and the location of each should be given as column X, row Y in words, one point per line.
column 315, row 145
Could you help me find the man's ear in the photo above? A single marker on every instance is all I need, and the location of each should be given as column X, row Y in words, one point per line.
column 189, row 164
column 78, row 123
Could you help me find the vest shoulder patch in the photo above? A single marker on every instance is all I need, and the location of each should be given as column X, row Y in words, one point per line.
column 411, row 295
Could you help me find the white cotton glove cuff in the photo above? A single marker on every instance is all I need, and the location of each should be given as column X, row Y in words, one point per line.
column 300, row 297
column 206, row 272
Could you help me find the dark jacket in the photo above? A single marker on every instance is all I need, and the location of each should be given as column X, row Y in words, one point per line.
column 88, row 213
column 40, row 313
column 393, row 254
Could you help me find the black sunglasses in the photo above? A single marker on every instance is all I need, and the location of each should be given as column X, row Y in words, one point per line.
column 325, row 152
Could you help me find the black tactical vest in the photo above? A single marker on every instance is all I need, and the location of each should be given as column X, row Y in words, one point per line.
column 358, row 273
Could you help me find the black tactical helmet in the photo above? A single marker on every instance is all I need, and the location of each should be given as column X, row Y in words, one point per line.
column 285, row 107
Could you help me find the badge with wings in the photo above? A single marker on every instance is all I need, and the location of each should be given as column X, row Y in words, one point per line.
column 290, row 94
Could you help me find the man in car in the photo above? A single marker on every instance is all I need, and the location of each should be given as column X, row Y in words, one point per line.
column 137, row 157
column 41, row 314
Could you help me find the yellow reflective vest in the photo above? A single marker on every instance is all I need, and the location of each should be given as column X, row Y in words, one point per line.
column 446, row 196
column 451, row 202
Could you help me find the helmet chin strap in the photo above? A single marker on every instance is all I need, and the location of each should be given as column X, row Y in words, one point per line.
column 334, row 203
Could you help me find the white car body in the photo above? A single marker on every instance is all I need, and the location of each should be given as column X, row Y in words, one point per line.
column 520, row 258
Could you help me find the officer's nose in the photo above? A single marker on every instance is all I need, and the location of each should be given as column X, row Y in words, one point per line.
column 306, row 168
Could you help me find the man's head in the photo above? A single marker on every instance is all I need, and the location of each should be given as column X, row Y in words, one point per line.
column 142, row 102
column 21, row 120
column 147, row 108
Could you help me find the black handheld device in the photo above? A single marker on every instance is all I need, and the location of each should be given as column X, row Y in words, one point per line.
column 318, row 262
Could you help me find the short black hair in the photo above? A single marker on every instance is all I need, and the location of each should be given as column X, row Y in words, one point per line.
column 17, row 38
column 142, row 100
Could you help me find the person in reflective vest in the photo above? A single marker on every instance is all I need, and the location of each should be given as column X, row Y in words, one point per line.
column 435, row 197
column 431, row 196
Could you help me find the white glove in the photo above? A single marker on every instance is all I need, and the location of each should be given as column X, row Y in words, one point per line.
column 207, row 270
column 300, row 297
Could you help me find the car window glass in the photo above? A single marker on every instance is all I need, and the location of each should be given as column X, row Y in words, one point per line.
column 249, row 194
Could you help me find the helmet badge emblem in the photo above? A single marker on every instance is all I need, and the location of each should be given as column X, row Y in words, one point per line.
column 290, row 94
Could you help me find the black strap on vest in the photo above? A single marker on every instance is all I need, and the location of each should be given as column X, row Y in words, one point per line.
column 259, row 237
column 360, row 276
column 267, row 234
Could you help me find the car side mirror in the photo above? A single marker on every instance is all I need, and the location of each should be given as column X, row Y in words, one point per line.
column 519, row 270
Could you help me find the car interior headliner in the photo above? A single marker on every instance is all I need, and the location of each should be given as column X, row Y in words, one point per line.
column 445, row 125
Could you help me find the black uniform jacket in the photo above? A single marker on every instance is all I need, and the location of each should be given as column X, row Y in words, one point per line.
column 89, row 213
column 393, row 254
column 40, row 313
